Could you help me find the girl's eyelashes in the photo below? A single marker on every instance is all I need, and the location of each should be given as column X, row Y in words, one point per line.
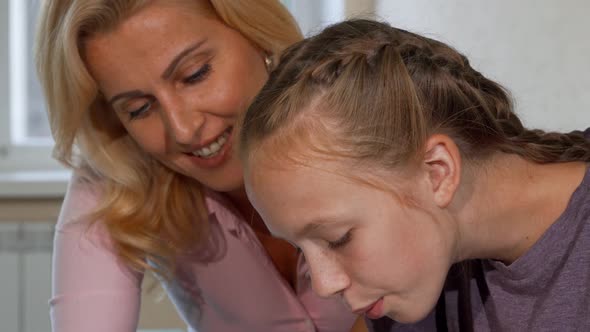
column 341, row 242
column 199, row 75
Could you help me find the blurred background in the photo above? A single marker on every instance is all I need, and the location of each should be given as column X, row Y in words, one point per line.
column 538, row 49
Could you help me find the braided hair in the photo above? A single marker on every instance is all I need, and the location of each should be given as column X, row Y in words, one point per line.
column 378, row 92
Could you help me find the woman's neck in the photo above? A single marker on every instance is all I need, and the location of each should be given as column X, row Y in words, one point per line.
column 512, row 202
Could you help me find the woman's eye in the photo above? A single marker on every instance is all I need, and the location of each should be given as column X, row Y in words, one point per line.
column 199, row 75
column 140, row 111
column 341, row 242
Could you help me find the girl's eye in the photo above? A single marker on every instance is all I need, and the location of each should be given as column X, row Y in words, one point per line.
column 140, row 111
column 199, row 75
column 341, row 242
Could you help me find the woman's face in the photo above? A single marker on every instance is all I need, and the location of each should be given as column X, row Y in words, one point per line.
column 177, row 77
column 382, row 257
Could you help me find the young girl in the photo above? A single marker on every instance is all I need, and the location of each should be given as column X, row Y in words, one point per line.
column 142, row 98
column 413, row 189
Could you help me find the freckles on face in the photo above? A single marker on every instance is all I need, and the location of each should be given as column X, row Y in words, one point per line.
column 394, row 252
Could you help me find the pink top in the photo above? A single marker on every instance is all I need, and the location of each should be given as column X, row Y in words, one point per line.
column 237, row 289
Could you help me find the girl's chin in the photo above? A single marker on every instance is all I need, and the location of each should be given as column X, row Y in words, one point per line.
column 408, row 316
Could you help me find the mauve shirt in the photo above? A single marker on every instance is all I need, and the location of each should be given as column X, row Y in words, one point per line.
column 546, row 289
column 229, row 287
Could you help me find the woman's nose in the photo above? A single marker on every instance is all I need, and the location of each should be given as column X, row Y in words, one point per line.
column 182, row 121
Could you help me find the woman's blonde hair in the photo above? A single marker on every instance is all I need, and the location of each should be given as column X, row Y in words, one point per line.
column 148, row 210
column 367, row 92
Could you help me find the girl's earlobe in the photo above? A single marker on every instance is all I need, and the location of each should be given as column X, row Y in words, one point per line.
column 443, row 163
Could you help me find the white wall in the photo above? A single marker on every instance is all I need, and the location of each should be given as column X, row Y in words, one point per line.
column 312, row 15
column 538, row 49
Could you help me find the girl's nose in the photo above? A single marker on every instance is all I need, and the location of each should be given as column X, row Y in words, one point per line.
column 328, row 278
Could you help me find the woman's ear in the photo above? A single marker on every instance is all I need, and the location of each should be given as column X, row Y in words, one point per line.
column 442, row 161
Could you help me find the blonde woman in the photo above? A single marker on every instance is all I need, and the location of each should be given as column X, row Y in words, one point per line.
column 142, row 98
column 414, row 190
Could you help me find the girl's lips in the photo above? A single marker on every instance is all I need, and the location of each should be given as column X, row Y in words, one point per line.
column 373, row 311
column 376, row 310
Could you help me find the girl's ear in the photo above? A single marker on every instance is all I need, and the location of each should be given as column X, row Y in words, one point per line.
column 442, row 161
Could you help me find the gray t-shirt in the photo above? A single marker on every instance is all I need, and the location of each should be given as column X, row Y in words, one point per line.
column 547, row 289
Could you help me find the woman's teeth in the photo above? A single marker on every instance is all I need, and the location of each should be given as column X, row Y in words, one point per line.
column 212, row 149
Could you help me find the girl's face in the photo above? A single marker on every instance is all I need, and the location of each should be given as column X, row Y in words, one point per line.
column 177, row 77
column 381, row 256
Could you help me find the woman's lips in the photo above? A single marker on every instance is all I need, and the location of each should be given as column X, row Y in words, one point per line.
column 222, row 156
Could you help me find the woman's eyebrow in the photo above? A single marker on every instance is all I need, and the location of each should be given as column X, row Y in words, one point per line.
column 165, row 75
column 176, row 60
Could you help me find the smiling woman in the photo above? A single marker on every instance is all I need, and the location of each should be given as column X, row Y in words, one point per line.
column 179, row 102
column 143, row 97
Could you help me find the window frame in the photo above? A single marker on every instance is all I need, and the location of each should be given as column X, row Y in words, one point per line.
column 17, row 153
